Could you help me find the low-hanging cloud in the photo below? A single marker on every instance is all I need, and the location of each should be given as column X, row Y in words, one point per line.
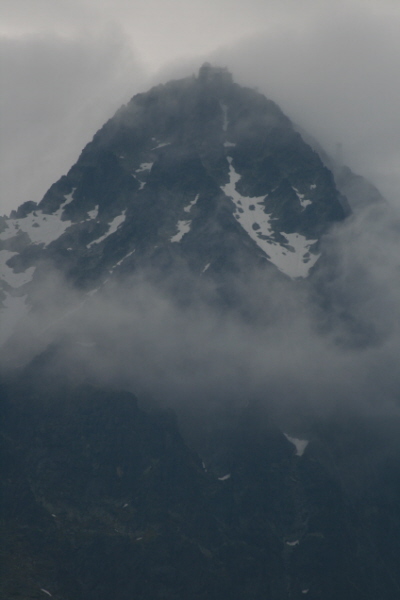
column 298, row 350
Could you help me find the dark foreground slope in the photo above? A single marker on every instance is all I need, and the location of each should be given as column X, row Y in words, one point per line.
column 100, row 500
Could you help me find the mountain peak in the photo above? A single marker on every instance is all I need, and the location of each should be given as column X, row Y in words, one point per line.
column 201, row 173
column 213, row 75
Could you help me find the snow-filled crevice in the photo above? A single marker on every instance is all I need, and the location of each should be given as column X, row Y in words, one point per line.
column 293, row 258
column 304, row 202
column 145, row 166
column 93, row 214
column 189, row 206
column 183, row 228
column 300, row 445
column 112, row 228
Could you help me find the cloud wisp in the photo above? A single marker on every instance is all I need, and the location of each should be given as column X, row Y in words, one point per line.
column 282, row 347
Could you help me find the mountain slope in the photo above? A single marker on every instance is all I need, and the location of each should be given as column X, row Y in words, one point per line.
column 101, row 500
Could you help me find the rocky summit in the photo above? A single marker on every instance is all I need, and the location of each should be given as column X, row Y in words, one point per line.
column 171, row 425
column 199, row 172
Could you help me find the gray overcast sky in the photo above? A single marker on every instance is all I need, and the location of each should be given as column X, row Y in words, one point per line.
column 66, row 66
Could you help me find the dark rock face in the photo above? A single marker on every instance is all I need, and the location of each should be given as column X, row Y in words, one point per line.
column 101, row 500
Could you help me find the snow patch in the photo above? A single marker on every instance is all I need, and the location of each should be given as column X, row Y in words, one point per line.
column 41, row 228
column 225, row 477
column 295, row 543
column 301, row 247
column 94, row 213
column 305, row 591
column 69, row 197
column 188, row 208
column 206, row 267
column 300, row 445
column 183, row 229
column 146, row 166
column 161, row 145
column 301, row 197
column 294, row 258
column 121, row 261
column 305, row 203
column 112, row 228
column 229, row 144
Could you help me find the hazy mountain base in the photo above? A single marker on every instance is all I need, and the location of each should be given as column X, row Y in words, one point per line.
column 101, row 500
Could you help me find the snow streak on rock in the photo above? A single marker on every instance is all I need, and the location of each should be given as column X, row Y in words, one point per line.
column 93, row 213
column 294, row 258
column 303, row 201
column 183, row 228
column 161, row 145
column 300, row 445
column 188, row 208
column 146, row 166
column 112, row 228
